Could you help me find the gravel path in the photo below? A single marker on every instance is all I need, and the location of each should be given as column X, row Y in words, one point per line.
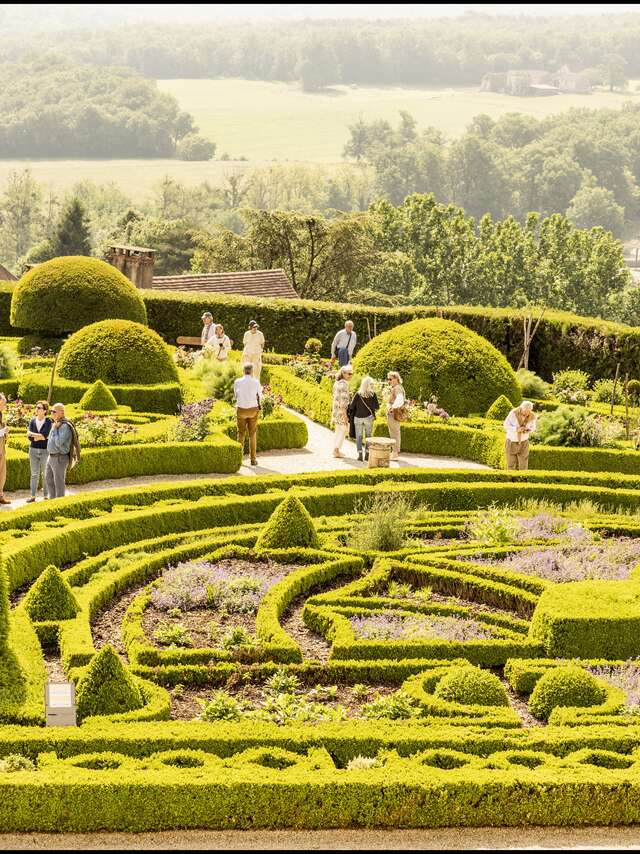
column 317, row 456
column 481, row 838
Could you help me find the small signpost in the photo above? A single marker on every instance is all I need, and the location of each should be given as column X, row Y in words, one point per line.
column 60, row 704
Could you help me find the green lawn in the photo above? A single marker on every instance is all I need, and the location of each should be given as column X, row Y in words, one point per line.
column 277, row 120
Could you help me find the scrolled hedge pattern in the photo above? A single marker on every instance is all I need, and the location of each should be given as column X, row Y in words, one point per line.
column 462, row 752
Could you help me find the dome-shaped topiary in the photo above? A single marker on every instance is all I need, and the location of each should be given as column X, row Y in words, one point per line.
column 107, row 687
column 51, row 597
column 289, row 525
column 565, row 686
column 117, row 351
column 65, row 294
column 98, row 398
column 442, row 358
column 471, row 686
column 499, row 409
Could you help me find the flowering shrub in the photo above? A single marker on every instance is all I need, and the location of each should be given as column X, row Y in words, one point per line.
column 571, row 386
column 575, row 427
column 101, row 430
column 624, row 676
column 185, row 358
column 192, row 424
column 433, row 411
column 313, row 346
column 19, row 414
column 603, row 391
column 397, row 627
column 310, row 366
column 270, row 401
column 499, row 526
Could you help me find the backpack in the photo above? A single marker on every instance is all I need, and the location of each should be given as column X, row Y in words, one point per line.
column 74, row 453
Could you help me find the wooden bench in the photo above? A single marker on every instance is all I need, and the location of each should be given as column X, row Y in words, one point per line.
column 189, row 341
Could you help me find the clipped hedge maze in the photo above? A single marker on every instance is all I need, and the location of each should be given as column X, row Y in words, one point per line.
column 240, row 664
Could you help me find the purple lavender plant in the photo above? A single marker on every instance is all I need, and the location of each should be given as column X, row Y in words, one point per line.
column 396, row 627
column 625, row 676
column 192, row 421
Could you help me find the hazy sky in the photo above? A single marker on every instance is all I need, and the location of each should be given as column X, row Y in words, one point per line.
column 14, row 17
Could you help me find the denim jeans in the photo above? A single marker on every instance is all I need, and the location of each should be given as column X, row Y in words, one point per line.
column 363, row 425
column 38, row 463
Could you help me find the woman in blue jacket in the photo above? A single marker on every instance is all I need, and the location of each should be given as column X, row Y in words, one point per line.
column 38, row 433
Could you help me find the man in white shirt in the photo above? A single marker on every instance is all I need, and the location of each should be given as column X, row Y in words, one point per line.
column 518, row 426
column 247, row 393
column 343, row 344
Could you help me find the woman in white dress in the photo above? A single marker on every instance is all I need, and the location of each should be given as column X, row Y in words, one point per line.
column 253, row 346
column 339, row 414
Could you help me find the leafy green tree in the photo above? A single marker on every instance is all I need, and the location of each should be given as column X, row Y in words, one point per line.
column 21, row 219
column 477, row 179
column 513, row 130
column 593, row 206
column 614, row 71
column 194, row 147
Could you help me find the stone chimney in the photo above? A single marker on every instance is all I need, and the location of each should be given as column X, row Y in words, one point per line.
column 136, row 262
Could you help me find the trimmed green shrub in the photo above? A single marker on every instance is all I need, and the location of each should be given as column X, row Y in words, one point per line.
column 531, row 385
column 571, row 386
column 439, row 357
column 576, row 427
column 603, row 389
column 51, row 597
column 28, row 343
column 565, row 686
column 289, row 525
column 472, row 686
column 499, row 409
column 65, row 294
column 117, row 351
column 8, row 362
column 107, row 687
column 4, row 608
column 98, row 398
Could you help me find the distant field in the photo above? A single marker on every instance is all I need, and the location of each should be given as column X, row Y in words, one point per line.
column 277, row 120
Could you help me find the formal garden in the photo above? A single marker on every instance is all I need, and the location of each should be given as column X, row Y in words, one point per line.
column 403, row 647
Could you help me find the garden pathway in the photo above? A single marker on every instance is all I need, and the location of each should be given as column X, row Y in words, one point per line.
column 316, row 456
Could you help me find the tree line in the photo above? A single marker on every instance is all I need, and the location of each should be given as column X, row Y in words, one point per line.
column 585, row 163
column 420, row 252
column 53, row 107
column 320, row 53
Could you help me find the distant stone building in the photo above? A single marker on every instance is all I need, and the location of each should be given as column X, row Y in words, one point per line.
column 572, row 83
column 6, row 276
column 532, row 82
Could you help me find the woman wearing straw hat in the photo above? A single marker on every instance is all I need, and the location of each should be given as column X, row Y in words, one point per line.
column 253, row 341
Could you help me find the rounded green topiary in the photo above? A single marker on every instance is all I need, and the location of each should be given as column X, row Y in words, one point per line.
column 107, row 687
column 442, row 358
column 117, row 351
column 499, row 409
column 98, row 398
column 289, row 525
column 531, row 385
column 471, row 686
column 51, row 597
column 65, row 294
column 565, row 686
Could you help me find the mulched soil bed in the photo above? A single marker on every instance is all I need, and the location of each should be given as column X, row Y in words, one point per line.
column 206, row 626
column 106, row 627
column 184, row 704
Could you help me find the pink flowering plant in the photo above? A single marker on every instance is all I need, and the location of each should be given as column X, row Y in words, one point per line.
column 271, row 402
column 19, row 413
column 97, row 431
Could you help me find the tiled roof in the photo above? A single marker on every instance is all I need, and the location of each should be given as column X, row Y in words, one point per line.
column 248, row 283
column 6, row 276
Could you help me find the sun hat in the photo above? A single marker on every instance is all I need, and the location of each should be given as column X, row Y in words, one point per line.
column 253, row 323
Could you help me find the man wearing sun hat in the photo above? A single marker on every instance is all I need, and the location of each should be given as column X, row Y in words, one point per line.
column 208, row 327
column 253, row 341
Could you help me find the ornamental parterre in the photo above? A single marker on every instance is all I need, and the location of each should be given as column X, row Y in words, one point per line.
column 484, row 673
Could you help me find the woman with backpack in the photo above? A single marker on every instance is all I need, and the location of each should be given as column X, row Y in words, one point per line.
column 396, row 412
column 363, row 407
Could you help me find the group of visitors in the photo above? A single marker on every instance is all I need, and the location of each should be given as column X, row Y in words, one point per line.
column 217, row 342
column 53, row 446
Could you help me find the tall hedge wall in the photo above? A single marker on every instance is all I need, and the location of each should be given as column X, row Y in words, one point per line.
column 563, row 339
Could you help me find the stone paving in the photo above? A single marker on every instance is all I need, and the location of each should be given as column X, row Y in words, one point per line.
column 317, row 456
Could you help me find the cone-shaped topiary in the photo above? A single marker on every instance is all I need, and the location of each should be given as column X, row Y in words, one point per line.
column 98, row 398
column 471, row 686
column 442, row 358
column 65, row 294
column 499, row 409
column 565, row 686
column 4, row 609
column 51, row 597
column 107, row 687
column 117, row 351
column 289, row 525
